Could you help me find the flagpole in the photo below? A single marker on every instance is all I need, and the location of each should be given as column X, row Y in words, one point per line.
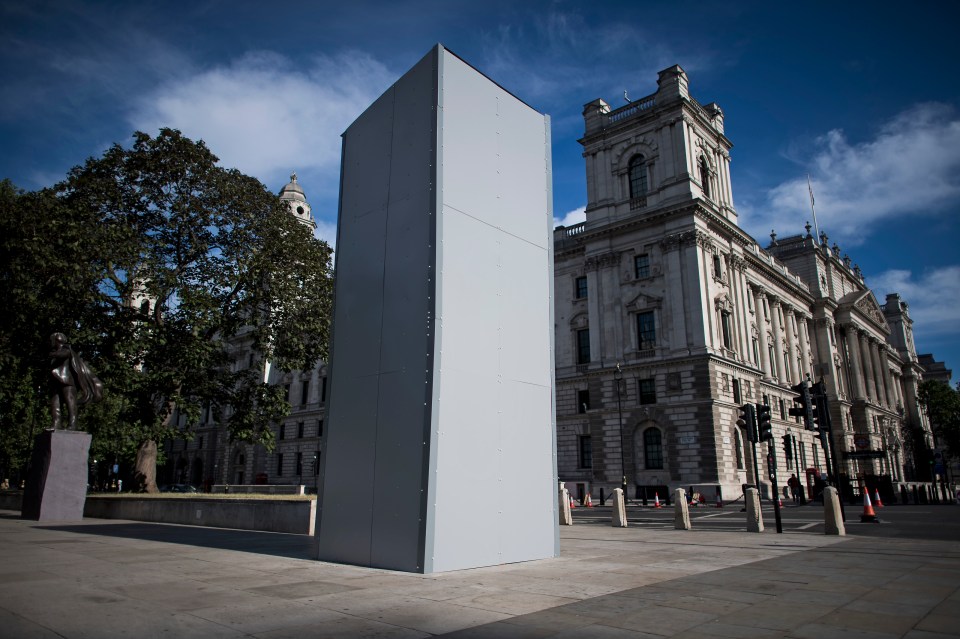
column 813, row 209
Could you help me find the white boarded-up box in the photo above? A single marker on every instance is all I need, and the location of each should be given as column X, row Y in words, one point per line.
column 439, row 451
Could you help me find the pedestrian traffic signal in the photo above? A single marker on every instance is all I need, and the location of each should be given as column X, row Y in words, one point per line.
column 764, row 428
column 788, row 446
column 805, row 405
column 748, row 421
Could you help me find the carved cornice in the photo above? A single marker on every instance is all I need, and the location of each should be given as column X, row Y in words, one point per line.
column 704, row 239
column 676, row 240
column 737, row 263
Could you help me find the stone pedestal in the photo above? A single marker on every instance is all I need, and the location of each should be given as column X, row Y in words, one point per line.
column 619, row 519
column 681, row 511
column 832, row 517
column 754, row 515
column 56, row 486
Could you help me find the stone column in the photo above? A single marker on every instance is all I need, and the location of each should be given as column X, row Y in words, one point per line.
column 805, row 347
column 782, row 371
column 887, row 377
column 856, row 368
column 758, row 296
column 869, row 375
column 879, row 378
column 790, row 316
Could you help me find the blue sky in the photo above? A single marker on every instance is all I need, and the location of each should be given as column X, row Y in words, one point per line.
column 863, row 97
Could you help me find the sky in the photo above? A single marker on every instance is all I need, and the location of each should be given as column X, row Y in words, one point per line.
column 862, row 97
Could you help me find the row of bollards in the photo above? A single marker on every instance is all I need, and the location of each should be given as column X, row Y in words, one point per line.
column 832, row 513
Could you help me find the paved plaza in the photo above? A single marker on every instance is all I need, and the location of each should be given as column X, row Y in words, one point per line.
column 110, row 578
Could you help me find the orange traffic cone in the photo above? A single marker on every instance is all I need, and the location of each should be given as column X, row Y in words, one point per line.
column 573, row 504
column 656, row 501
column 719, row 500
column 779, row 501
column 868, row 514
column 588, row 502
column 876, row 498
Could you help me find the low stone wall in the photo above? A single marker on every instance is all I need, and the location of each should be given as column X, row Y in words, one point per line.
column 285, row 516
column 11, row 500
column 260, row 489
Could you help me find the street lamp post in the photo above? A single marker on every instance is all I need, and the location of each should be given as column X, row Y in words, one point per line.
column 618, row 378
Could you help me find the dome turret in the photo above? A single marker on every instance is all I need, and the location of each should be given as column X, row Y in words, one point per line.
column 296, row 200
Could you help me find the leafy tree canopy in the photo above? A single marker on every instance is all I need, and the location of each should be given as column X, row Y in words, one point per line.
column 158, row 264
column 942, row 405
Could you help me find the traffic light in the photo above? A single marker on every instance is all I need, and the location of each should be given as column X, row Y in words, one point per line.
column 764, row 427
column 805, row 405
column 748, row 421
column 788, row 446
column 821, row 409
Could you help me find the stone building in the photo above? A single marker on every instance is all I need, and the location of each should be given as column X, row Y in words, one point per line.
column 669, row 317
column 211, row 458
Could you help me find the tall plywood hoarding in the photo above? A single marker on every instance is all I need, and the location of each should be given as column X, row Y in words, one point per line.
column 439, row 450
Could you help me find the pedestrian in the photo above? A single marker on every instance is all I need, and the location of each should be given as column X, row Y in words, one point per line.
column 794, row 484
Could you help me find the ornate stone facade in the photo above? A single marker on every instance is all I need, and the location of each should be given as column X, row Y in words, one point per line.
column 661, row 280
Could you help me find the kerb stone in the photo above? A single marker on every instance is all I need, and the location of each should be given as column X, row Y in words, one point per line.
column 832, row 515
column 681, row 511
column 754, row 515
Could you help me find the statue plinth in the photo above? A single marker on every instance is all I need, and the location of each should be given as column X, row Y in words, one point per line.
column 56, row 486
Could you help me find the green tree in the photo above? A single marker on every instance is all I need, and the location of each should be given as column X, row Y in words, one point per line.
column 160, row 260
column 942, row 405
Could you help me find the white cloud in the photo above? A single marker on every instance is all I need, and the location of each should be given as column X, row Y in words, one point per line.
column 264, row 116
column 327, row 232
column 931, row 296
column 576, row 216
column 911, row 167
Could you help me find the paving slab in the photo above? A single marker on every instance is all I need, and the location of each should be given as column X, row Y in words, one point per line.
column 105, row 579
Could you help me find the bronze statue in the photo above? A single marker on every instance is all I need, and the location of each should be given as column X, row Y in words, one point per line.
column 71, row 382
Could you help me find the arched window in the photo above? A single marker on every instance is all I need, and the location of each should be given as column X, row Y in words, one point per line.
column 653, row 449
column 704, row 176
column 638, row 177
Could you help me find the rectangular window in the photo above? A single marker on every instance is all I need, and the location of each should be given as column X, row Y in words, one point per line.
column 316, row 463
column 286, row 391
column 200, row 442
column 320, row 428
column 304, row 392
column 586, row 452
column 646, row 331
column 279, row 464
column 725, row 328
column 647, row 390
column 583, row 401
column 736, row 391
column 299, row 430
column 323, row 390
column 641, row 266
column 783, row 410
column 581, row 287
column 717, row 267
column 299, row 464
column 583, row 346
column 280, row 430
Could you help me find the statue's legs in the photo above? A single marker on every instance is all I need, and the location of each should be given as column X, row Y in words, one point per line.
column 70, row 399
column 55, row 410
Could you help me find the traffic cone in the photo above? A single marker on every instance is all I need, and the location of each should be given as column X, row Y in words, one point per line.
column 719, row 501
column 868, row 514
column 876, row 498
column 588, row 502
column 780, row 501
column 573, row 504
column 656, row 501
